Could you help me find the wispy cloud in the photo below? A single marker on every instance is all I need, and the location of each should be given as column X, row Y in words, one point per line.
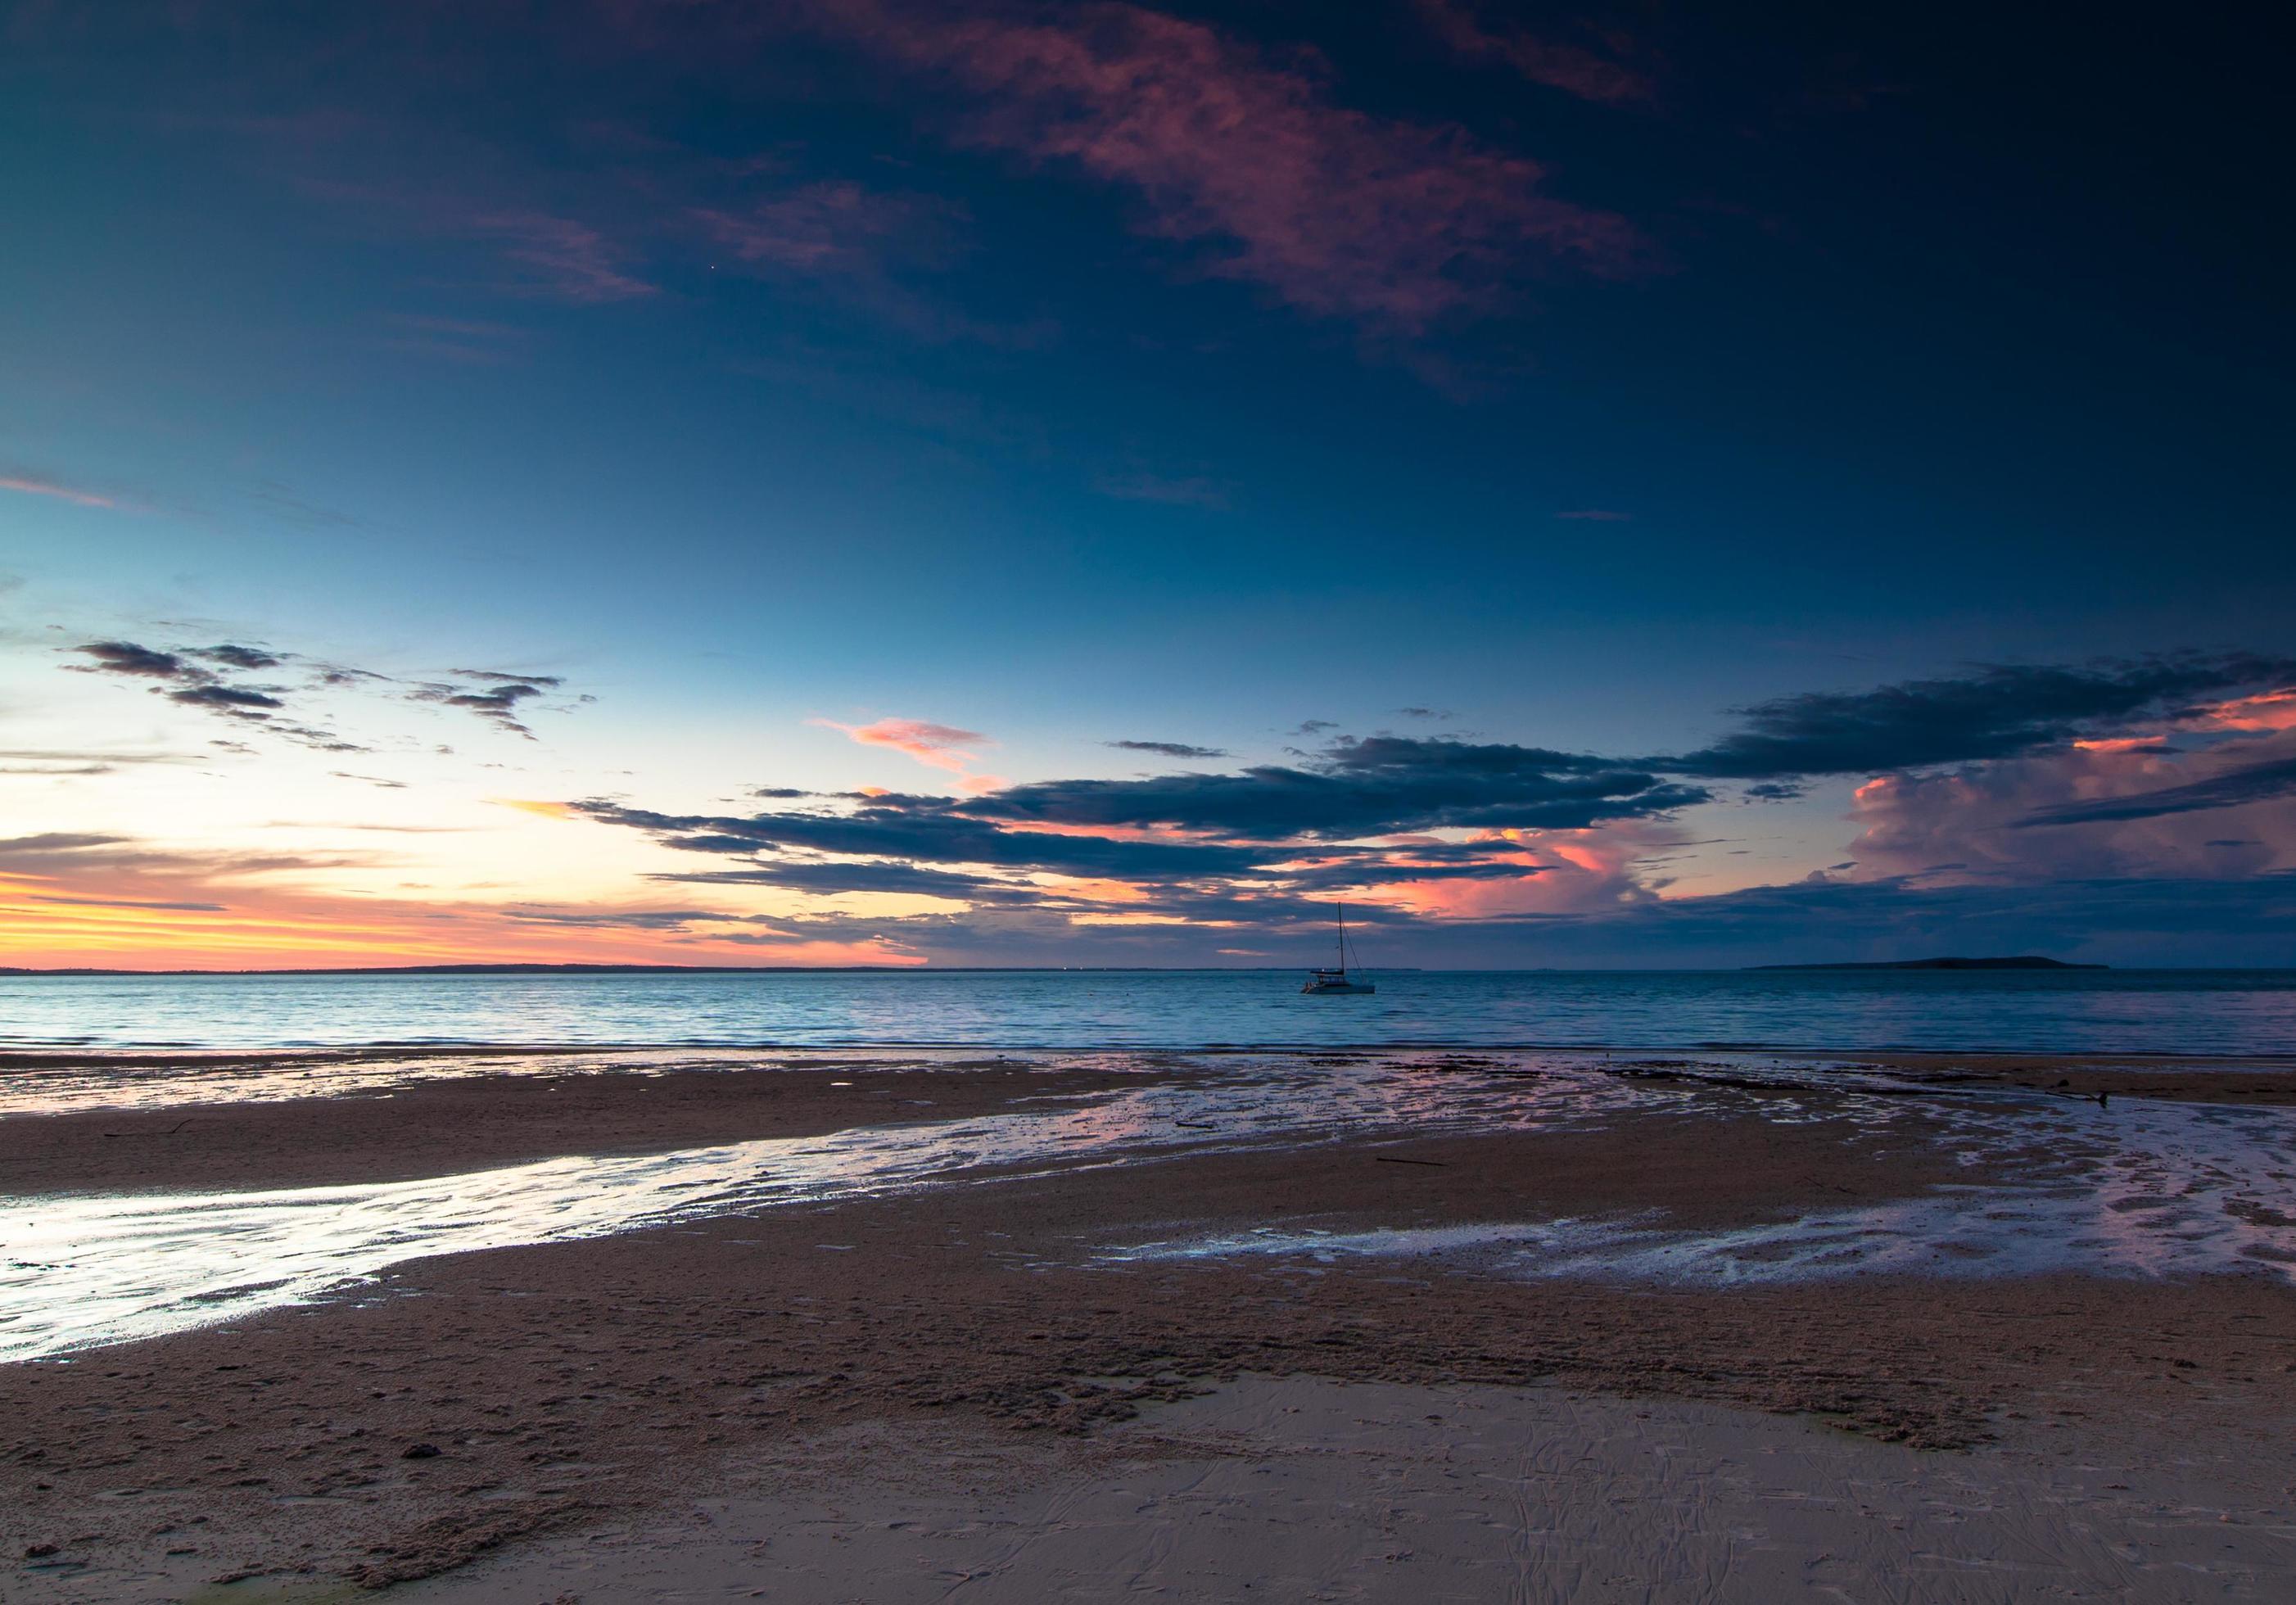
column 1168, row 749
column 860, row 248
column 560, row 258
column 35, row 762
column 1340, row 213
column 834, row 225
column 185, row 676
column 492, row 695
column 941, row 746
column 36, row 485
column 194, row 678
column 229, row 698
column 476, row 342
column 1565, row 67
column 2267, row 710
column 127, row 658
column 199, row 908
column 2237, row 787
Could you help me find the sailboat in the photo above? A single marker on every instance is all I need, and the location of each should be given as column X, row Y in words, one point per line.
column 1323, row 982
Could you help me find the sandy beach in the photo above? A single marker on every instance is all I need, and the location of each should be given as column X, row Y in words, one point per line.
column 1568, row 1347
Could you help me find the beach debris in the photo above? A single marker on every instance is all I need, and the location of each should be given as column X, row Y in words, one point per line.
column 38, row 1552
column 420, row 1452
column 1389, row 1159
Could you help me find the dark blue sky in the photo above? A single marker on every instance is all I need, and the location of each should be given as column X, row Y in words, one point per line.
column 1057, row 376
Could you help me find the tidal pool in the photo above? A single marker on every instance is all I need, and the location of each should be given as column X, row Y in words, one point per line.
column 2151, row 1188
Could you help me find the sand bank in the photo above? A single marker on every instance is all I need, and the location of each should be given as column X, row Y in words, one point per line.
column 444, row 1124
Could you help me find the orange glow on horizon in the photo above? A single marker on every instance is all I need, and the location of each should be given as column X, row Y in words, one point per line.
column 267, row 929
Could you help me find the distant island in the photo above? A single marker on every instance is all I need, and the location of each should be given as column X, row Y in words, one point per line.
column 2021, row 962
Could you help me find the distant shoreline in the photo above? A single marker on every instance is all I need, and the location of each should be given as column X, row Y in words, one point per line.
column 2018, row 961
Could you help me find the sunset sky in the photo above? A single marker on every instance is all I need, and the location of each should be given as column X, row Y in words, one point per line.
column 713, row 481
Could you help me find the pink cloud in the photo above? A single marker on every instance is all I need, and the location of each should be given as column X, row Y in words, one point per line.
column 32, row 485
column 1343, row 214
column 941, row 745
column 1597, row 869
column 834, row 225
column 1963, row 825
column 1565, row 67
column 560, row 258
column 859, row 245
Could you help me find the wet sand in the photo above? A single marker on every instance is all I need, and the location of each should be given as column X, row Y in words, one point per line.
column 534, row 1397
column 2255, row 1081
column 272, row 1120
column 467, row 1122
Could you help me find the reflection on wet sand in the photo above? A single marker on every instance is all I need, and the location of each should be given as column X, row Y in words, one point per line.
column 83, row 1270
column 2153, row 1188
column 2146, row 1187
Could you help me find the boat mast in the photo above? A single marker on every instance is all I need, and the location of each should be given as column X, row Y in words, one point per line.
column 1343, row 938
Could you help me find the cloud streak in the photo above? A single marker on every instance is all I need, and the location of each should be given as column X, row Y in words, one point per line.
column 937, row 745
column 560, row 259
column 2257, row 783
column 1168, row 749
column 1565, row 67
column 1339, row 213
column 1996, row 712
column 36, row 485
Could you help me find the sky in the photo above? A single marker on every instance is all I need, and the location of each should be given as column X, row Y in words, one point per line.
column 862, row 481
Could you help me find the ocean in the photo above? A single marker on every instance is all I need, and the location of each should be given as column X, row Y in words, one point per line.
column 2191, row 1012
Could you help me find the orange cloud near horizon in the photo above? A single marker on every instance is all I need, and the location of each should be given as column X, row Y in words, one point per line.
column 45, row 927
column 2264, row 711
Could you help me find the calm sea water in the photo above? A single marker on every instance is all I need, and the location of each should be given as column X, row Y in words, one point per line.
column 2173, row 1010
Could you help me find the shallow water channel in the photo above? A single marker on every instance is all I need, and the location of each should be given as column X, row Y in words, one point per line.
column 2152, row 1188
